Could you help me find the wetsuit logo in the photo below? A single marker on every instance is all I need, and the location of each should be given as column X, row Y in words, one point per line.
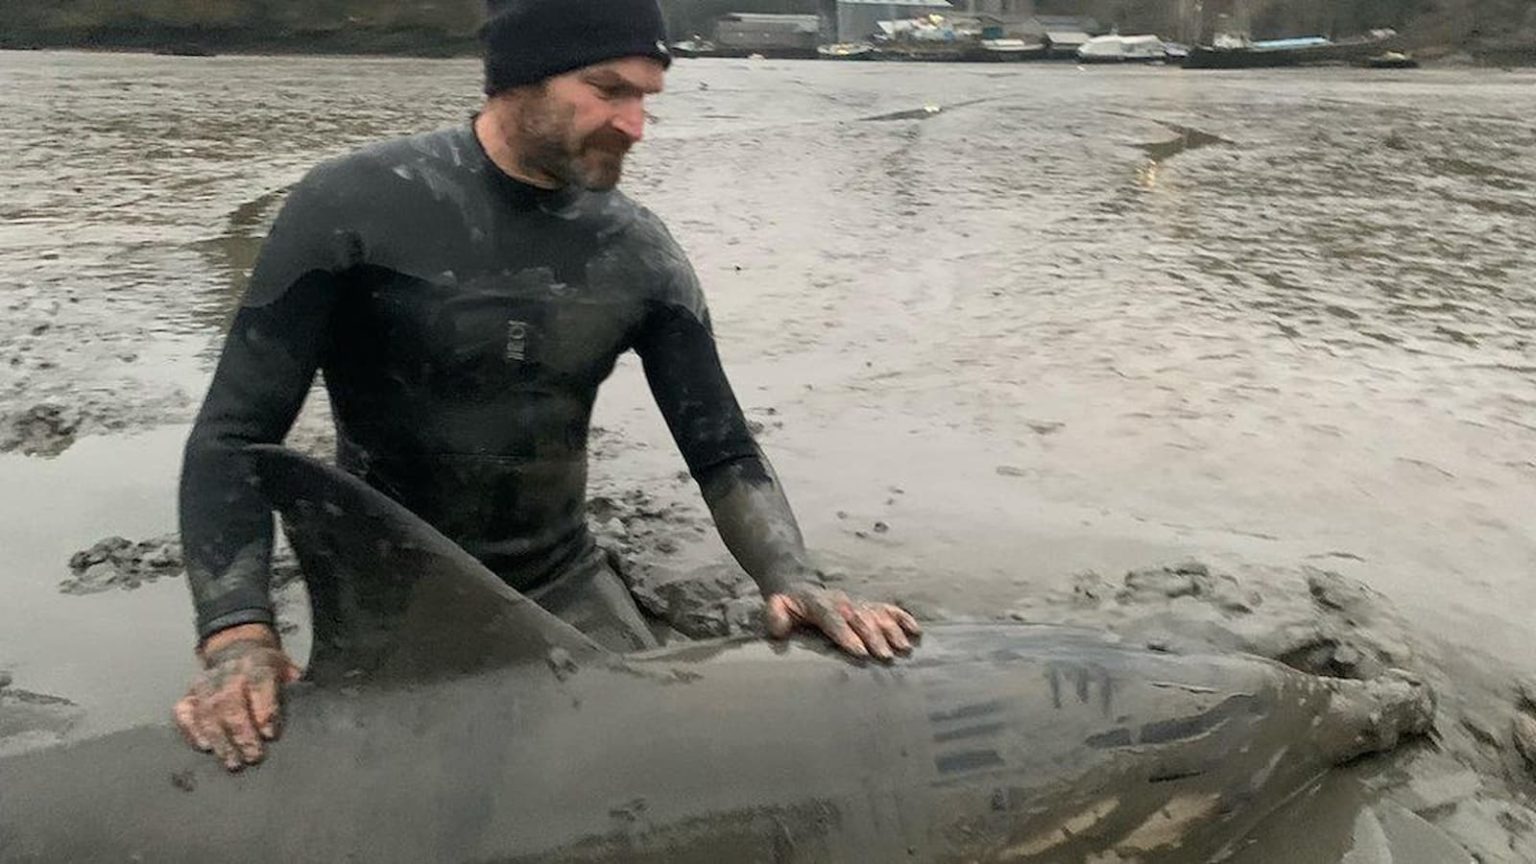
column 517, row 341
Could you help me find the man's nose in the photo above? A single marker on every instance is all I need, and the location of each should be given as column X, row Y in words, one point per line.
column 630, row 120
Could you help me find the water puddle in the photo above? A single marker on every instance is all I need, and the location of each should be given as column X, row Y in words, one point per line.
column 232, row 254
column 122, row 655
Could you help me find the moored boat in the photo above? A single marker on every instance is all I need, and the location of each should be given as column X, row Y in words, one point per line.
column 1391, row 60
column 695, row 47
column 846, row 51
column 1123, row 49
column 1009, row 50
column 1297, row 51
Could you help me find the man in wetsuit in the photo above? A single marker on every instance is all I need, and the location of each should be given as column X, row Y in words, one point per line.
column 465, row 293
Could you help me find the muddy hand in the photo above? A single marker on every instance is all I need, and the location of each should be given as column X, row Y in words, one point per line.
column 859, row 627
column 234, row 703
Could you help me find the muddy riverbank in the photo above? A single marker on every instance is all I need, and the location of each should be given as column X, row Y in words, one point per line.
column 989, row 347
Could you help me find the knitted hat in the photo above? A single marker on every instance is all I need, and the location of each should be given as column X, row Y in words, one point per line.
column 530, row 40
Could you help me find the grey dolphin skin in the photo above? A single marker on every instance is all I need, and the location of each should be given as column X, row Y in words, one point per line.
column 448, row 718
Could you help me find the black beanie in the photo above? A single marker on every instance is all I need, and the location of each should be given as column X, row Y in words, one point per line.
column 530, row 40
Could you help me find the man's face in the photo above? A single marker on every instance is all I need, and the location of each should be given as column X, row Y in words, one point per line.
column 577, row 127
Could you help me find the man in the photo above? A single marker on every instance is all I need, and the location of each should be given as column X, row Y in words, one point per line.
column 465, row 293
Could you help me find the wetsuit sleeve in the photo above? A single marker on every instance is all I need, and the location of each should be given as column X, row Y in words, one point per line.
column 682, row 366
column 268, row 362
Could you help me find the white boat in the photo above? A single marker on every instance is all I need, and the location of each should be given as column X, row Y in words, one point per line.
column 1006, row 50
column 1123, row 49
column 846, row 51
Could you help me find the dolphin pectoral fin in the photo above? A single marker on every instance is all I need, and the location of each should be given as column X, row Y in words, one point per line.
column 393, row 599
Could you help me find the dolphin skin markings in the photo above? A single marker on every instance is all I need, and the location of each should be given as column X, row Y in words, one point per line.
column 447, row 718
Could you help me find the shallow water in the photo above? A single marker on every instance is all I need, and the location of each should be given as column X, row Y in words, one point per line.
column 1075, row 318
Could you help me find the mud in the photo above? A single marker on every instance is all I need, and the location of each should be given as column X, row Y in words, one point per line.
column 29, row 720
column 42, row 430
column 118, row 563
column 1001, row 357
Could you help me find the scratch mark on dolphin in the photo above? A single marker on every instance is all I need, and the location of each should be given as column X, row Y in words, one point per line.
column 966, row 712
column 1183, row 728
column 967, row 760
column 969, row 732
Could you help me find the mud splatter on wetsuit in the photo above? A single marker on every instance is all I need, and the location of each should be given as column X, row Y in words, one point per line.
column 464, row 321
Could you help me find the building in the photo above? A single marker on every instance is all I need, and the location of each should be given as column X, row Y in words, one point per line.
column 744, row 33
column 1008, row 10
column 857, row 20
column 1041, row 25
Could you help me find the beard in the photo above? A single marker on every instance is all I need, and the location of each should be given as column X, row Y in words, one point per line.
column 550, row 146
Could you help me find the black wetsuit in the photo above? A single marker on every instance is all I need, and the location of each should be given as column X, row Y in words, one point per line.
column 464, row 321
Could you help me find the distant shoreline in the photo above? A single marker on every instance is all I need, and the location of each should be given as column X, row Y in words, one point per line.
column 435, row 44
column 200, row 42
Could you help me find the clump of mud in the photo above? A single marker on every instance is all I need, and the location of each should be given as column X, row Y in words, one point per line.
column 703, row 603
column 643, row 534
column 116, row 562
column 42, row 430
column 119, row 563
column 634, row 521
column 1524, row 734
column 1338, row 628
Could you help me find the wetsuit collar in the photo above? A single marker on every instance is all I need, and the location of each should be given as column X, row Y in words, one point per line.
column 521, row 193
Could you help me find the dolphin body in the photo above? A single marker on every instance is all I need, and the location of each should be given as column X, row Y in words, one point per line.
column 445, row 717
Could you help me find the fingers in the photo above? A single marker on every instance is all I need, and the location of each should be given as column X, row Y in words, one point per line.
column 880, row 630
column 867, row 624
column 186, row 720
column 833, row 619
column 783, row 612
column 905, row 619
column 890, row 627
column 236, row 702
column 233, row 711
column 211, row 734
column 265, row 712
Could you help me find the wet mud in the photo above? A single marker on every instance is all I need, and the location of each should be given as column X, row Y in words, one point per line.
column 1188, row 139
column 119, row 563
column 1003, row 354
column 42, row 430
column 29, row 720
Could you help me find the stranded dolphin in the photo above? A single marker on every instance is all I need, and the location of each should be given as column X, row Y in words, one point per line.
column 448, row 718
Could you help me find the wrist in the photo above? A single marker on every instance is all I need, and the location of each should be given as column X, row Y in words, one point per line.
column 788, row 581
column 249, row 632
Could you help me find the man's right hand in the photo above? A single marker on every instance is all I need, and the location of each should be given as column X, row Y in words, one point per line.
column 234, row 703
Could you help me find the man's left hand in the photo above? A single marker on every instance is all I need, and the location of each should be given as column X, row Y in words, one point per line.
column 859, row 627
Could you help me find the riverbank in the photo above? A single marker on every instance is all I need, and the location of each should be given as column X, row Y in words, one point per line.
column 416, row 42
column 204, row 41
column 987, row 353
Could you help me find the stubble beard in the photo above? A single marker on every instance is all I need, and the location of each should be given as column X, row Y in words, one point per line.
column 595, row 162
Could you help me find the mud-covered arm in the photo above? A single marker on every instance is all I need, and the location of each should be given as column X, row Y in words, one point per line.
column 750, row 510
column 268, row 362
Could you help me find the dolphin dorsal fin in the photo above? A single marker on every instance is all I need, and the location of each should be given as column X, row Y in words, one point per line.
column 392, row 598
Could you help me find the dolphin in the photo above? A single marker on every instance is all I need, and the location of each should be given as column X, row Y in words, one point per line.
column 445, row 717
